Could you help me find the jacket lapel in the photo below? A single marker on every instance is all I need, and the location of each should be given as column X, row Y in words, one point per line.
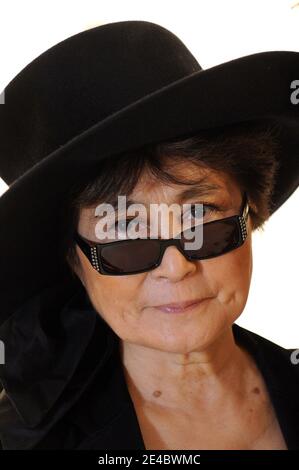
column 281, row 377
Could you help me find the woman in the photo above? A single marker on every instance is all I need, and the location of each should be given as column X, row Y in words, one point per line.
column 97, row 354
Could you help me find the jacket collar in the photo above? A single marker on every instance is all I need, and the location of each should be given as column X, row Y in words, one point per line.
column 48, row 345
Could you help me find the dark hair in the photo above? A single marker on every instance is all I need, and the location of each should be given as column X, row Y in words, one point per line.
column 246, row 151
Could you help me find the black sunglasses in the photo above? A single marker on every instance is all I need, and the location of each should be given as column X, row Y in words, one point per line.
column 139, row 255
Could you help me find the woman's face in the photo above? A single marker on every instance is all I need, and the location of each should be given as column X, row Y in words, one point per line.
column 127, row 303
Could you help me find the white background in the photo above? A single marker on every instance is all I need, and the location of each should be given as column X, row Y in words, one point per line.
column 215, row 31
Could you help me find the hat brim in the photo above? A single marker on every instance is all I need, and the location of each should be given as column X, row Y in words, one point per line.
column 251, row 88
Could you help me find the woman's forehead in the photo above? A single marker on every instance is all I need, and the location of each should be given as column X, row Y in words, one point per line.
column 207, row 183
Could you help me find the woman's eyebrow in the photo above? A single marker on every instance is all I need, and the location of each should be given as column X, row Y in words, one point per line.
column 203, row 189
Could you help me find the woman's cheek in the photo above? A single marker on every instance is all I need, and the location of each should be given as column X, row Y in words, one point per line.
column 229, row 277
column 113, row 296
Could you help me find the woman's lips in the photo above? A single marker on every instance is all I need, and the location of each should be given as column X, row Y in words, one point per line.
column 180, row 307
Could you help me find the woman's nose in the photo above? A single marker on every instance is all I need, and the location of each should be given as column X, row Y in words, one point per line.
column 174, row 265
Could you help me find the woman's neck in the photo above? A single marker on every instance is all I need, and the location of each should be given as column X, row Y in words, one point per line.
column 182, row 380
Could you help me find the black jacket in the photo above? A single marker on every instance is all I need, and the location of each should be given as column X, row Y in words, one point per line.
column 64, row 386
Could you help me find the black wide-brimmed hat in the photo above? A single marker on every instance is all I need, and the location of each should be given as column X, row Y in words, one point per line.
column 107, row 90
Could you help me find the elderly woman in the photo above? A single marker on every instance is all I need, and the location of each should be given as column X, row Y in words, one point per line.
column 130, row 342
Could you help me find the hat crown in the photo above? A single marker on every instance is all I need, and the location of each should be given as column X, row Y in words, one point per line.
column 81, row 81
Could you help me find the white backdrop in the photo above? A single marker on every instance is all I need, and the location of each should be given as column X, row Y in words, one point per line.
column 215, row 31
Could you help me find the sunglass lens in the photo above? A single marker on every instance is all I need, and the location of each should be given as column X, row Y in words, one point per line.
column 218, row 238
column 130, row 257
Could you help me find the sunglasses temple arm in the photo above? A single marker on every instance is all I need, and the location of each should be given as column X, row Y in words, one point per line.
column 245, row 207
